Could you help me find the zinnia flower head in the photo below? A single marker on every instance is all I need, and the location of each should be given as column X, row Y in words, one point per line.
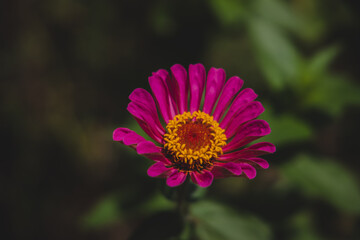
column 204, row 140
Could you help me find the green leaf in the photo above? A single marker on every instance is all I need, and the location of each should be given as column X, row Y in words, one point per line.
column 303, row 227
column 228, row 11
column 319, row 64
column 332, row 94
column 276, row 55
column 104, row 213
column 215, row 221
column 326, row 180
column 157, row 203
column 278, row 12
column 161, row 19
column 285, row 128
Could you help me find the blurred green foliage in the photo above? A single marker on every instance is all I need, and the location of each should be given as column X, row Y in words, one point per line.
column 219, row 222
column 316, row 178
column 67, row 68
column 105, row 212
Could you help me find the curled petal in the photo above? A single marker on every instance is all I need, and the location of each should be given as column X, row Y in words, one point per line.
column 120, row 133
column 127, row 136
column 162, row 73
column 176, row 178
column 249, row 170
column 232, row 86
column 197, row 76
column 214, row 85
column 259, row 161
column 203, row 179
column 158, row 170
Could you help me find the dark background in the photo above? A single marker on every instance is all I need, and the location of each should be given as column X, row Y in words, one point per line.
column 67, row 68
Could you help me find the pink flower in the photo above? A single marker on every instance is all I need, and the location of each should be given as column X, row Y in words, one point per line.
column 205, row 141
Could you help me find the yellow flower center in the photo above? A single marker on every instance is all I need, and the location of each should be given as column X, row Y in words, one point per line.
column 193, row 141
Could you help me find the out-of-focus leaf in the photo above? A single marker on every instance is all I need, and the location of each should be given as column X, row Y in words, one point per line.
column 318, row 65
column 155, row 204
column 215, row 221
column 228, row 11
column 277, row 57
column 105, row 212
column 303, row 227
column 161, row 19
column 285, row 128
column 326, row 180
column 277, row 12
column 313, row 25
column 332, row 94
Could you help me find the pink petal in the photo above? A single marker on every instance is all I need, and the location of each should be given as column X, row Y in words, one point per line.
column 203, row 179
column 214, row 85
column 133, row 138
column 176, row 178
column 142, row 146
column 247, row 133
column 161, row 93
column 157, row 157
column 127, row 136
column 147, row 147
column 259, row 161
column 255, row 150
column 248, row 112
column 234, row 168
column 158, row 170
column 145, row 122
column 162, row 73
column 245, row 96
column 150, row 150
column 220, row 172
column 263, row 146
column 171, row 87
column 197, row 76
column 249, row 170
column 144, row 99
column 232, row 86
column 120, row 133
column 182, row 86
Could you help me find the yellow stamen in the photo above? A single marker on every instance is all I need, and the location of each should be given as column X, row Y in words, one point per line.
column 193, row 141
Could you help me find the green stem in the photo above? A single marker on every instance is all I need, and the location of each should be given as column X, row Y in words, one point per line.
column 182, row 203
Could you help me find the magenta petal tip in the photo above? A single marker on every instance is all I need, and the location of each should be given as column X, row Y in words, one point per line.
column 176, row 178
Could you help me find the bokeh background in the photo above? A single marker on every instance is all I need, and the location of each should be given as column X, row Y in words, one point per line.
column 68, row 66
